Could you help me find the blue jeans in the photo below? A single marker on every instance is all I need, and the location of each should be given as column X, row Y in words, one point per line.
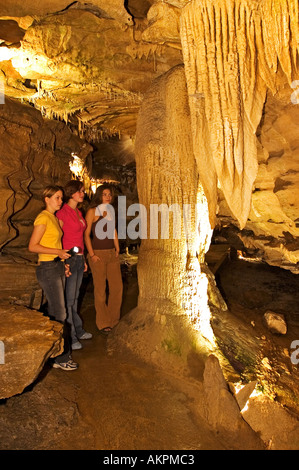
column 72, row 290
column 51, row 277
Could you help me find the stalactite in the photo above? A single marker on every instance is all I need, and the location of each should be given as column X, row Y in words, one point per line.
column 143, row 49
column 231, row 50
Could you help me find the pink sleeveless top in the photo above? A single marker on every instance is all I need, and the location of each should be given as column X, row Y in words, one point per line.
column 73, row 228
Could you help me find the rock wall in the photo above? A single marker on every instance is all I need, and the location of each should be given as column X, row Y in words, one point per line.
column 271, row 231
column 27, row 340
column 102, row 8
column 241, row 66
column 88, row 64
column 82, row 66
column 33, row 153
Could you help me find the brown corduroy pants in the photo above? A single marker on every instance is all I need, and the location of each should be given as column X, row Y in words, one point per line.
column 108, row 268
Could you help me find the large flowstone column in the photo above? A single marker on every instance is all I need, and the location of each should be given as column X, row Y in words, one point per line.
column 173, row 316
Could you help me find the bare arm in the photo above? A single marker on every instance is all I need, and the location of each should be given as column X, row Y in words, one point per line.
column 90, row 217
column 116, row 243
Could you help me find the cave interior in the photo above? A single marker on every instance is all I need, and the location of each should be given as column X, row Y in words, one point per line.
column 192, row 103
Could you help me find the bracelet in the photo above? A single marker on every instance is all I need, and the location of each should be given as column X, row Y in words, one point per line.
column 92, row 255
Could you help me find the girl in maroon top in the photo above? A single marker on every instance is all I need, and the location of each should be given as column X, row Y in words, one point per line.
column 103, row 256
column 73, row 226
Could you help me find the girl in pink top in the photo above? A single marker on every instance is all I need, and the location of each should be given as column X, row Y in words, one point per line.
column 73, row 226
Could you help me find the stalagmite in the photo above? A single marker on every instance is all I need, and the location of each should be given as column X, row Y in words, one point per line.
column 173, row 303
column 232, row 52
column 167, row 175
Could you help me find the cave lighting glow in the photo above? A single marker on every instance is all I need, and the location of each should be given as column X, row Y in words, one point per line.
column 94, row 184
column 25, row 61
column 196, row 305
column 254, row 394
column 249, row 259
column 7, row 53
column 77, row 166
column 195, row 293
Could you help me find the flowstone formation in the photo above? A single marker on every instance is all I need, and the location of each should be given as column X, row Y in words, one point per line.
column 89, row 65
column 212, row 84
column 231, row 68
column 233, row 52
column 172, row 319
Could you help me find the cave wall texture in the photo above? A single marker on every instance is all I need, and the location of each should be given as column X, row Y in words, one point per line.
column 234, row 53
column 34, row 152
column 205, row 92
column 89, row 64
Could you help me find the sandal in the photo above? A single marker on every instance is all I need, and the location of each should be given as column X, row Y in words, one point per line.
column 105, row 331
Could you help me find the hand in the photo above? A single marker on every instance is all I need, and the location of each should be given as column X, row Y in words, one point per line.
column 63, row 254
column 95, row 258
column 85, row 267
column 116, row 254
column 67, row 270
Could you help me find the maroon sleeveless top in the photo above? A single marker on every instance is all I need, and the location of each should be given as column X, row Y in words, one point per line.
column 103, row 243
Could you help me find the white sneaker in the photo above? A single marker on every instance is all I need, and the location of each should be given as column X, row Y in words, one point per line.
column 86, row 336
column 76, row 345
column 70, row 365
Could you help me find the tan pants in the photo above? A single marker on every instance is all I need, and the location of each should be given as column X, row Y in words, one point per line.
column 108, row 268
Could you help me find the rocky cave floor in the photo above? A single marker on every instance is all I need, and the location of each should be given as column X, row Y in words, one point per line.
column 116, row 402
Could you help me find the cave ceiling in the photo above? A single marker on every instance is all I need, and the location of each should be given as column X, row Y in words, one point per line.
column 87, row 64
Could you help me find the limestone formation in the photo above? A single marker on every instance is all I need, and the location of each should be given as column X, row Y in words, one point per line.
column 84, row 63
column 164, row 136
column 204, row 92
column 222, row 410
column 18, row 282
column 27, row 340
column 33, row 153
column 242, row 396
column 234, row 51
column 275, row 322
column 164, row 24
column 174, row 291
column 272, row 227
column 113, row 9
column 81, row 68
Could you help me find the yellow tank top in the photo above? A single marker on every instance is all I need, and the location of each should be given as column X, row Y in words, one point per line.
column 52, row 236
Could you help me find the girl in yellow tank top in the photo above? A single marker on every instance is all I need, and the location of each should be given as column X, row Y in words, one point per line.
column 50, row 272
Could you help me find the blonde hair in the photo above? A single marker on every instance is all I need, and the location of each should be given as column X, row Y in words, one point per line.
column 50, row 190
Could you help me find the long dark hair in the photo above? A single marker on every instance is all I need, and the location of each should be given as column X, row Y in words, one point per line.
column 97, row 198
